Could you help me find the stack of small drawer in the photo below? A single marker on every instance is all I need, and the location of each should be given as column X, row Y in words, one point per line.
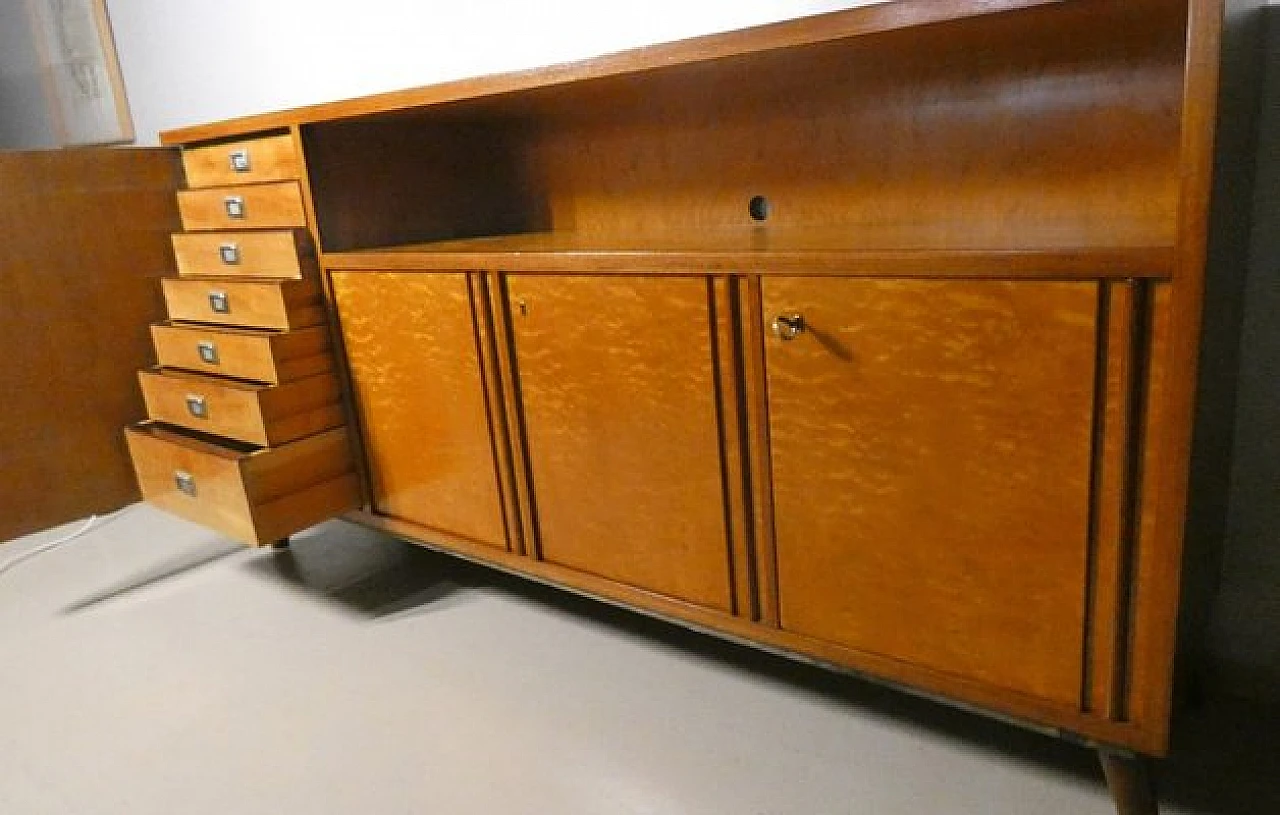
column 246, row 420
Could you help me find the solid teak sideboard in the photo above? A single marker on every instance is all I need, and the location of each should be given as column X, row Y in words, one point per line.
column 869, row 337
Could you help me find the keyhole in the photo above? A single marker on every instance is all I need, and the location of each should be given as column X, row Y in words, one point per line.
column 523, row 306
column 758, row 208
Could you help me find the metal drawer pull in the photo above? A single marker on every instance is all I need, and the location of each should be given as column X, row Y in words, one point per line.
column 197, row 407
column 208, row 352
column 234, row 205
column 186, row 482
column 788, row 326
column 219, row 302
column 239, row 161
column 230, row 253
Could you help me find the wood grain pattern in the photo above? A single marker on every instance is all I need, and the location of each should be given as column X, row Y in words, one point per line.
column 271, row 158
column 931, row 469
column 253, row 495
column 756, row 409
column 1113, row 526
column 266, row 415
column 266, row 206
column 278, row 254
column 276, row 304
column 85, row 234
column 415, row 371
column 617, row 383
column 261, row 356
column 911, row 249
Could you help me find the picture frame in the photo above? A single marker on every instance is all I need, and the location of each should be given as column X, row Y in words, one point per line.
column 83, row 85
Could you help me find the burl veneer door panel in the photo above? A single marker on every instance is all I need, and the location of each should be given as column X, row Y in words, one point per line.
column 618, row 387
column 931, row 448
column 415, row 368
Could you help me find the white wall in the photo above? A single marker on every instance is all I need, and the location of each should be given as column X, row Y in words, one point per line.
column 192, row 62
column 24, row 113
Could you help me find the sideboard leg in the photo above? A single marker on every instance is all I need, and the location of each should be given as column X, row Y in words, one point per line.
column 1130, row 781
column 283, row 543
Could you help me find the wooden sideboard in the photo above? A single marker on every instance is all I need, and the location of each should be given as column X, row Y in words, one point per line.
column 869, row 338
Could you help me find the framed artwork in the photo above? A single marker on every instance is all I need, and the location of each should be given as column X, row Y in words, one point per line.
column 82, row 77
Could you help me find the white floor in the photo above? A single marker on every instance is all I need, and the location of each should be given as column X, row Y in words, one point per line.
column 150, row 667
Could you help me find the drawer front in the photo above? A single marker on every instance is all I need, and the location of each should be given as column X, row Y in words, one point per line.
column 258, row 414
column 279, row 305
column 256, row 206
column 249, row 161
column 277, row 254
column 255, row 355
column 252, row 494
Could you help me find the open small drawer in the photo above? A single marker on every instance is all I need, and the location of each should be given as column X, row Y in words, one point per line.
column 253, row 494
column 249, row 412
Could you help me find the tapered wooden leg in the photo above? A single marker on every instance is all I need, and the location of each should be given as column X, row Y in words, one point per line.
column 283, row 543
column 1129, row 779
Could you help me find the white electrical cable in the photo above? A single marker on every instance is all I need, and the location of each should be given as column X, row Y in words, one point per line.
column 51, row 545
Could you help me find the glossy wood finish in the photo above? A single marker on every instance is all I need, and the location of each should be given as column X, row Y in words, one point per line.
column 412, row 349
column 265, row 206
column 254, row 495
column 276, row 254
column 618, row 387
column 281, row 305
column 930, row 445
column 262, row 356
column 85, row 232
column 260, row 414
column 766, row 251
column 270, row 158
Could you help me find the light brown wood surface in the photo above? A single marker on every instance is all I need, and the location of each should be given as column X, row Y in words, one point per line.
column 267, row 415
column 254, row 495
column 411, row 346
column 283, row 254
column 85, row 235
column 618, row 388
column 930, row 445
column 270, row 158
column 262, row 356
column 277, row 304
column 913, row 249
column 266, row 206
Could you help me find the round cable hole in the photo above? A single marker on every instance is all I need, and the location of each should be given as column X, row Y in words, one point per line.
column 758, row 208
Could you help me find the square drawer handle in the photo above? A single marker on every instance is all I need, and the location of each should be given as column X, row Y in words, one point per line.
column 239, row 160
column 234, row 204
column 185, row 482
column 219, row 302
column 208, row 352
column 229, row 253
column 197, row 406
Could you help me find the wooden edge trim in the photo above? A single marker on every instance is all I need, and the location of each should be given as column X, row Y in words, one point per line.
column 495, row 413
column 1116, row 450
column 522, row 474
column 750, row 307
column 1033, row 264
column 733, row 477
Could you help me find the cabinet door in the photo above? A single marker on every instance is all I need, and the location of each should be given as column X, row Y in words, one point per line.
column 930, row 451
column 412, row 347
column 618, row 388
